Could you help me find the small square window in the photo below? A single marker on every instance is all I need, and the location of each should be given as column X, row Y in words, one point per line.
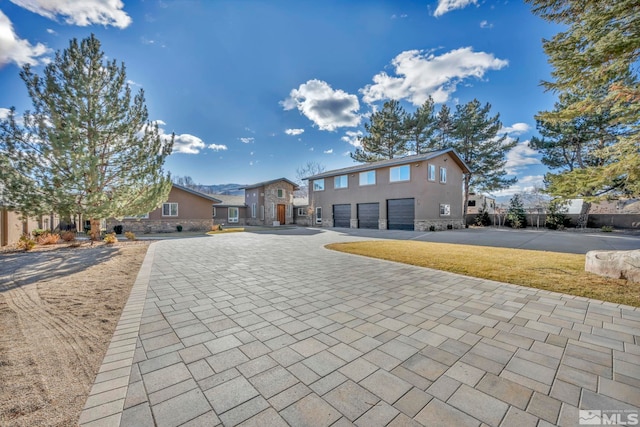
column 445, row 210
column 280, row 193
column 368, row 178
column 302, row 212
column 318, row 185
column 341, row 181
column 400, row 173
column 169, row 209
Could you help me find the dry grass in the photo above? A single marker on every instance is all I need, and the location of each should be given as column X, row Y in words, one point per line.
column 552, row 271
column 227, row 230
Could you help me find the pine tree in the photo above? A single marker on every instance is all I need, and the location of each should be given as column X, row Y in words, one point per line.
column 87, row 147
column 444, row 127
column 516, row 215
column 597, row 55
column 421, row 128
column 386, row 135
column 475, row 137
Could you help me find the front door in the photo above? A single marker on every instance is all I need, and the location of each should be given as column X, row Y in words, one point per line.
column 281, row 215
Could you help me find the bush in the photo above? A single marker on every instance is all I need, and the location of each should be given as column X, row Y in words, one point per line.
column 432, row 228
column 68, row 236
column 48, row 238
column 38, row 232
column 179, row 227
column 516, row 215
column 130, row 235
column 117, row 229
column 449, row 226
column 607, row 229
column 26, row 242
column 110, row 238
column 556, row 216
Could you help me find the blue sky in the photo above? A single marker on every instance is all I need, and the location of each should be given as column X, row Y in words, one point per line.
column 255, row 89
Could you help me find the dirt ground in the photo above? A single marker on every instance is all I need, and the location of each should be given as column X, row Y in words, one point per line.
column 59, row 307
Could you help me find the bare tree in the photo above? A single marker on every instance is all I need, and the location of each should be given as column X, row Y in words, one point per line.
column 308, row 169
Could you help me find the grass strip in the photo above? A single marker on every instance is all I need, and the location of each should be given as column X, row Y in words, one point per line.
column 552, row 271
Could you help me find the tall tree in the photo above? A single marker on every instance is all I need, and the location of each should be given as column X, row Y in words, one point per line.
column 444, row 127
column 421, row 127
column 597, row 54
column 386, row 136
column 87, row 147
column 475, row 137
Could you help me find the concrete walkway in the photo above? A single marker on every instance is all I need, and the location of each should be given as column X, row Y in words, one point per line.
column 273, row 329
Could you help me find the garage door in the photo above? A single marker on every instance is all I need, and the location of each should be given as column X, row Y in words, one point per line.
column 342, row 216
column 368, row 214
column 400, row 214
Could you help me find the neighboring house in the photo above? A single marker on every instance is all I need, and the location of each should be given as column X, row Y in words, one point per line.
column 184, row 206
column 230, row 211
column 302, row 214
column 478, row 201
column 12, row 226
column 269, row 202
column 409, row 193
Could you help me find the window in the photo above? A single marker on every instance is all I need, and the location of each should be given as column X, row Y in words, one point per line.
column 368, row 178
column 273, row 210
column 472, row 203
column 233, row 214
column 214, row 211
column 280, row 193
column 261, row 213
column 318, row 215
column 318, row 185
column 400, row 173
column 432, row 173
column 253, row 210
column 289, row 211
column 445, row 210
column 443, row 175
column 169, row 209
column 341, row 181
column 302, row 212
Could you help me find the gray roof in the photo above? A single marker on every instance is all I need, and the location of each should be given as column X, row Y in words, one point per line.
column 262, row 184
column 393, row 162
column 229, row 200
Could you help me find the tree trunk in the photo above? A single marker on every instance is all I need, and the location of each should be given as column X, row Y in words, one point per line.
column 467, row 179
column 95, row 229
column 583, row 218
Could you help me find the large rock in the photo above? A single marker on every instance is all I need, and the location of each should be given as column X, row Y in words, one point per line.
column 616, row 264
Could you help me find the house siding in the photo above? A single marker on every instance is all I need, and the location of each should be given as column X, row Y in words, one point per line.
column 12, row 226
column 266, row 197
column 428, row 195
column 195, row 213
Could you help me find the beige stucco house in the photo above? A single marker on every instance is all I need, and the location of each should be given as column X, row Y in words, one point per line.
column 417, row 192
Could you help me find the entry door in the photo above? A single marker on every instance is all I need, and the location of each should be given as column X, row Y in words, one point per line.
column 281, row 214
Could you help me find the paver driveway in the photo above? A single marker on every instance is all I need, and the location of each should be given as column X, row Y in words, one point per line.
column 272, row 329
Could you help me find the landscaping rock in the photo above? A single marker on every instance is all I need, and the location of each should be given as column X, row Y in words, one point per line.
column 616, row 264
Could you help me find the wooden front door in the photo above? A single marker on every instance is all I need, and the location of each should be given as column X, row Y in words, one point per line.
column 281, row 214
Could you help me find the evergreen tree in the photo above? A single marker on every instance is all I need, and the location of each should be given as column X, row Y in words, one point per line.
column 483, row 218
column 475, row 137
column 421, row 127
column 516, row 215
column 386, row 136
column 444, row 127
column 87, row 147
column 597, row 54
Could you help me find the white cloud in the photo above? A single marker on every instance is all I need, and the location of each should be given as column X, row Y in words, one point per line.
column 4, row 113
column 420, row 74
column 486, row 24
column 445, row 6
column 217, row 147
column 329, row 151
column 50, row 31
column 525, row 184
column 515, row 129
column 329, row 109
column 182, row 143
column 19, row 51
column 294, row 131
column 246, row 140
column 80, row 12
column 353, row 138
column 520, row 156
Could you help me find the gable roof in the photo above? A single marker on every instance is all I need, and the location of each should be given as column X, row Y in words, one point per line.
column 262, row 184
column 197, row 193
column 394, row 162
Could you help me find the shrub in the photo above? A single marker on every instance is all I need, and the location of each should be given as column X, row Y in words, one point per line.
column 432, row 228
column 179, row 227
column 516, row 215
column 130, row 235
column 607, row 229
column 68, row 236
column 117, row 229
column 26, row 242
column 449, row 226
column 556, row 216
column 48, row 238
column 110, row 238
column 38, row 232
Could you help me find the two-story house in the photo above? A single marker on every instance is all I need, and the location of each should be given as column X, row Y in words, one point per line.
column 410, row 193
column 269, row 202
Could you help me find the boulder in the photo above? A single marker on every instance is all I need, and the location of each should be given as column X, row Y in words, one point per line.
column 616, row 264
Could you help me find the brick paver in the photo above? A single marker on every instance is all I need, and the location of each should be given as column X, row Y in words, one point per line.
column 272, row 329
